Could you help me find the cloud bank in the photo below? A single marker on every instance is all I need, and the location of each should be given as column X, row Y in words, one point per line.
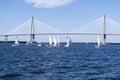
column 48, row 3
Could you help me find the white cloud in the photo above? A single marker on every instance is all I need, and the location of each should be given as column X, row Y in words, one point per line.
column 48, row 3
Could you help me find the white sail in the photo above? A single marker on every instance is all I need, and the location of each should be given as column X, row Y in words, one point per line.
column 16, row 42
column 68, row 42
column 98, row 42
column 58, row 40
column 29, row 41
column 50, row 40
column 55, row 41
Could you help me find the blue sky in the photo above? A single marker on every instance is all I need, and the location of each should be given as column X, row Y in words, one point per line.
column 65, row 16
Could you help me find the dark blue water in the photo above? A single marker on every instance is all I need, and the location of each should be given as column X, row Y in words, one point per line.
column 78, row 62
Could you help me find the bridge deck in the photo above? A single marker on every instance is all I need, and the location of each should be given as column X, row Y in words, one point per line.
column 59, row 34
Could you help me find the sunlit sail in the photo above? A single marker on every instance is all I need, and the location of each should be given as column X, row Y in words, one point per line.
column 16, row 42
column 58, row 41
column 50, row 40
column 98, row 42
column 29, row 41
column 55, row 41
column 68, row 42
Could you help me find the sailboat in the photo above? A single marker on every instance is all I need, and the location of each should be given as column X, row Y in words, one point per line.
column 39, row 44
column 55, row 41
column 29, row 41
column 16, row 42
column 50, row 41
column 98, row 42
column 68, row 42
column 58, row 41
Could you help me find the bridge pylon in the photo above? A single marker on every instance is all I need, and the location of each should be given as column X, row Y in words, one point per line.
column 32, row 31
column 104, row 30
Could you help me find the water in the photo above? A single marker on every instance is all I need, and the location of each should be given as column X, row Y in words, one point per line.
column 78, row 62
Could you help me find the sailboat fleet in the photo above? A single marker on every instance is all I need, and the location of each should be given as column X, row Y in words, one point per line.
column 55, row 42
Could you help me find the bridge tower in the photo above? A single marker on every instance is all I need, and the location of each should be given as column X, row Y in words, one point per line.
column 32, row 31
column 104, row 30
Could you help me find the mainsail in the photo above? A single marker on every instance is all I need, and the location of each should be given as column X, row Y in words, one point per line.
column 55, row 41
column 68, row 41
column 98, row 42
column 58, row 40
column 50, row 40
column 16, row 42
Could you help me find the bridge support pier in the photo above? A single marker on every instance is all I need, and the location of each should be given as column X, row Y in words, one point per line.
column 5, row 38
column 32, row 32
column 104, row 30
column 32, row 37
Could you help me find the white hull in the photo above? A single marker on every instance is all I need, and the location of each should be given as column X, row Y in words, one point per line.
column 39, row 44
column 96, row 46
column 66, row 45
column 28, row 43
column 15, row 45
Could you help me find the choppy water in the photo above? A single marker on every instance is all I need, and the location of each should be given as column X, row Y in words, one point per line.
column 78, row 62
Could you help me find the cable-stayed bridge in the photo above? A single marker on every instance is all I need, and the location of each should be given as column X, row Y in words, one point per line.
column 34, row 29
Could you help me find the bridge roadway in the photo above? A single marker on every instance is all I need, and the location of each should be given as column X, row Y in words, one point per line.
column 118, row 34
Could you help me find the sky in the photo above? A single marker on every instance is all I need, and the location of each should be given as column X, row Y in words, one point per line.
column 63, row 15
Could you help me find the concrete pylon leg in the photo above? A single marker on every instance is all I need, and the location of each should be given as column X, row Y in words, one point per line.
column 32, row 31
column 5, row 39
column 104, row 30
